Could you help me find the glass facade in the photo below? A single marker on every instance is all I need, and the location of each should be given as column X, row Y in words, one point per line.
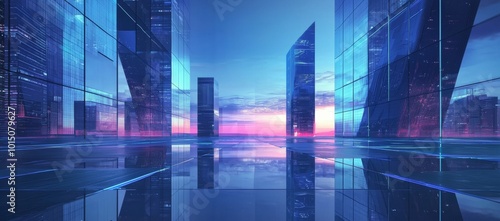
column 300, row 85
column 406, row 69
column 114, row 68
column 416, row 68
column 208, row 107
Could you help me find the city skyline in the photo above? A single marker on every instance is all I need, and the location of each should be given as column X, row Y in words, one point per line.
column 247, row 56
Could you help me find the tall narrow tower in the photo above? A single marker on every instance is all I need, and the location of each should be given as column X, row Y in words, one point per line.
column 300, row 72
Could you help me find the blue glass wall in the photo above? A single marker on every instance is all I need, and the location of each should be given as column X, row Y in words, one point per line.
column 154, row 80
column 44, row 65
column 416, row 68
column 125, row 62
column 300, row 92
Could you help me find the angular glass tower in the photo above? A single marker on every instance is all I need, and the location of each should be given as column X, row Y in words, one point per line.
column 115, row 68
column 208, row 107
column 417, row 68
column 412, row 68
column 300, row 85
column 154, row 52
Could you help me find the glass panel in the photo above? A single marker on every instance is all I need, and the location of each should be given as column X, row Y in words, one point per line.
column 100, row 115
column 339, row 72
column 103, row 13
column 398, row 79
column 339, row 100
column 378, row 86
column 453, row 51
column 379, row 116
column 348, row 66
column 361, row 58
column 457, row 15
column 429, row 33
column 478, row 62
column 377, row 13
column 360, row 92
column 78, row 4
column 348, row 8
column 100, row 62
column 360, row 22
column 339, row 40
column 377, row 46
column 424, row 70
column 339, row 14
column 396, row 4
column 348, row 97
column 424, row 115
column 357, row 117
column 487, row 9
column 348, row 31
column 348, row 124
column 339, row 124
column 398, row 36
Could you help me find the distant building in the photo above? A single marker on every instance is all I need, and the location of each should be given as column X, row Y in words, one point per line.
column 488, row 114
column 300, row 88
column 208, row 107
column 472, row 114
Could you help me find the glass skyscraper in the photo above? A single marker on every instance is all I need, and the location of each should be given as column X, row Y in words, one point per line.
column 208, row 107
column 417, row 68
column 116, row 68
column 405, row 69
column 300, row 85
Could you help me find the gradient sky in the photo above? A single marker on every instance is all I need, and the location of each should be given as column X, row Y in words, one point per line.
column 245, row 50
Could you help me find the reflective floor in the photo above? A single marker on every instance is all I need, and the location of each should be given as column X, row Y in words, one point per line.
column 244, row 178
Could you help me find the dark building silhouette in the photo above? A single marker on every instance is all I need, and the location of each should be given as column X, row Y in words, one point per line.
column 300, row 85
column 208, row 107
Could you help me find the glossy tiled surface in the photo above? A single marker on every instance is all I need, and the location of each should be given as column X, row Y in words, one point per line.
column 256, row 178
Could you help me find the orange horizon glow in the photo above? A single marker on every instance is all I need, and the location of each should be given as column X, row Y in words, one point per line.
column 271, row 124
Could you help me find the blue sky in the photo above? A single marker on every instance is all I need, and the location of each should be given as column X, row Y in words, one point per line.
column 245, row 50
